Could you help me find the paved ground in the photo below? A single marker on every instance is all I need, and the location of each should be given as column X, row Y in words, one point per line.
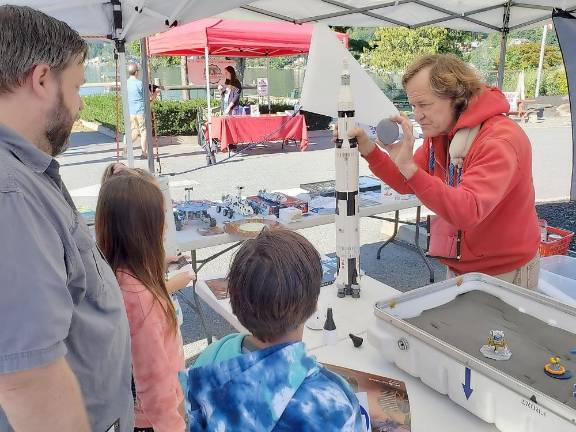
column 272, row 168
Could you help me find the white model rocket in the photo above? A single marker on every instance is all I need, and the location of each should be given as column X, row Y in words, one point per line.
column 347, row 211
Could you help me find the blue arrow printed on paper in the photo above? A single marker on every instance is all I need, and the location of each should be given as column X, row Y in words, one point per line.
column 364, row 414
column 467, row 384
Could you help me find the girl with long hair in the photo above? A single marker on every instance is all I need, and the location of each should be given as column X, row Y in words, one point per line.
column 130, row 231
column 230, row 93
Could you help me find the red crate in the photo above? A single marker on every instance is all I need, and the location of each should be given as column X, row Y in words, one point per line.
column 559, row 246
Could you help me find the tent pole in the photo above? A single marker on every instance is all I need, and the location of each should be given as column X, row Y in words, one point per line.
column 503, row 41
column 268, row 79
column 147, row 108
column 208, row 99
column 541, row 61
column 127, row 126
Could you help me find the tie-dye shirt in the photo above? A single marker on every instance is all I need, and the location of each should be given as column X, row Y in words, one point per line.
column 279, row 388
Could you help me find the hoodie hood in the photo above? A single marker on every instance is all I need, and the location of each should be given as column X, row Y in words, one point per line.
column 251, row 392
column 489, row 103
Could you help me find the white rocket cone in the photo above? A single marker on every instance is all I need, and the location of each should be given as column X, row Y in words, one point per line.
column 347, row 211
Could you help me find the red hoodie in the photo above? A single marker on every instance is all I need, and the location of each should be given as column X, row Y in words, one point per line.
column 494, row 202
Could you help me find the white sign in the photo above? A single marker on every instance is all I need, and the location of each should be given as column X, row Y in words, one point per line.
column 262, row 86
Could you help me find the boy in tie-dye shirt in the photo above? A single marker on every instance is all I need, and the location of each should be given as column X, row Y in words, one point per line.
column 265, row 381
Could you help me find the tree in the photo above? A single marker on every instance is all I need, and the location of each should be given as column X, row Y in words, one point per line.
column 535, row 35
column 394, row 48
column 359, row 39
column 527, row 56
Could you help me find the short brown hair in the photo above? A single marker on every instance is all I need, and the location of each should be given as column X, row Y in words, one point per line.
column 274, row 283
column 28, row 38
column 450, row 78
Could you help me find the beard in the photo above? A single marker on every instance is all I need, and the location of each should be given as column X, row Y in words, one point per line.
column 59, row 126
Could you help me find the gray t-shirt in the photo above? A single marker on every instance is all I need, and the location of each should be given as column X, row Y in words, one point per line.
column 58, row 296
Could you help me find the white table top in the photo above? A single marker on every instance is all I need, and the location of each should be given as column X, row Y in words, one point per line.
column 431, row 411
column 189, row 239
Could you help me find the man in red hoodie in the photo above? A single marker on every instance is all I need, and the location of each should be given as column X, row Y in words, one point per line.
column 480, row 188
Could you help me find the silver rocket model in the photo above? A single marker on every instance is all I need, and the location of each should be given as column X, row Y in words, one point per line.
column 347, row 215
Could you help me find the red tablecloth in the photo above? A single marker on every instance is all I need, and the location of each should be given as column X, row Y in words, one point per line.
column 248, row 129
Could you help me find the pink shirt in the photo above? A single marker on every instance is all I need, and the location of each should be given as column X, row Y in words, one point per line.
column 157, row 356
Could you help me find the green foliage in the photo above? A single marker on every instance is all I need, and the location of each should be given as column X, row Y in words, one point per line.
column 177, row 117
column 552, row 83
column 359, row 39
column 102, row 109
column 527, row 56
column 394, row 48
column 535, row 35
column 511, row 82
column 556, row 82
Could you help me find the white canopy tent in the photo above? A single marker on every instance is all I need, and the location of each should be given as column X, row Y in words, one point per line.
column 125, row 21
column 472, row 15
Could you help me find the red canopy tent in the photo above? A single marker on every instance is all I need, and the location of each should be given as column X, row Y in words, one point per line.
column 231, row 38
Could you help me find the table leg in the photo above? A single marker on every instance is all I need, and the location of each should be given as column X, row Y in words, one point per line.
column 196, row 305
column 193, row 260
column 391, row 239
column 418, row 248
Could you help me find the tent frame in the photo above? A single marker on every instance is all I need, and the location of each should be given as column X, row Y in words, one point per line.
column 367, row 11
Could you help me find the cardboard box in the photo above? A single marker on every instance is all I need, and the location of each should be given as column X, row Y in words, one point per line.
column 265, row 207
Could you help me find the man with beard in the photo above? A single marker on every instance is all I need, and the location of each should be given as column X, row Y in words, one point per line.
column 64, row 341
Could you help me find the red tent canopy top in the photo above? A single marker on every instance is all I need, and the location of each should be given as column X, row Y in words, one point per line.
column 231, row 38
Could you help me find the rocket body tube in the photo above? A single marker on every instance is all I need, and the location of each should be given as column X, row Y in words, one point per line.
column 347, row 199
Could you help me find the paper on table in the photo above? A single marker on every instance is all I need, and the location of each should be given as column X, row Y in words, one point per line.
column 323, row 204
column 322, row 81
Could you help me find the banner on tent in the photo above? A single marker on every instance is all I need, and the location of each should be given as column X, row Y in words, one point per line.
column 197, row 70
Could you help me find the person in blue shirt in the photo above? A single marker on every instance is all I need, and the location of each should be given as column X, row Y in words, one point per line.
column 136, row 108
column 265, row 381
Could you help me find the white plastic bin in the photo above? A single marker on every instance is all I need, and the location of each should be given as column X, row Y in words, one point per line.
column 558, row 278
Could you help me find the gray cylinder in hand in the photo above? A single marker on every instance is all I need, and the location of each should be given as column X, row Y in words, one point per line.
column 387, row 131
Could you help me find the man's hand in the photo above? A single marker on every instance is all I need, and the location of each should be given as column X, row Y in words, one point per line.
column 402, row 152
column 365, row 144
column 44, row 399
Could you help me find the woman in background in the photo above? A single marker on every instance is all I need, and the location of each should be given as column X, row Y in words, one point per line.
column 230, row 93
